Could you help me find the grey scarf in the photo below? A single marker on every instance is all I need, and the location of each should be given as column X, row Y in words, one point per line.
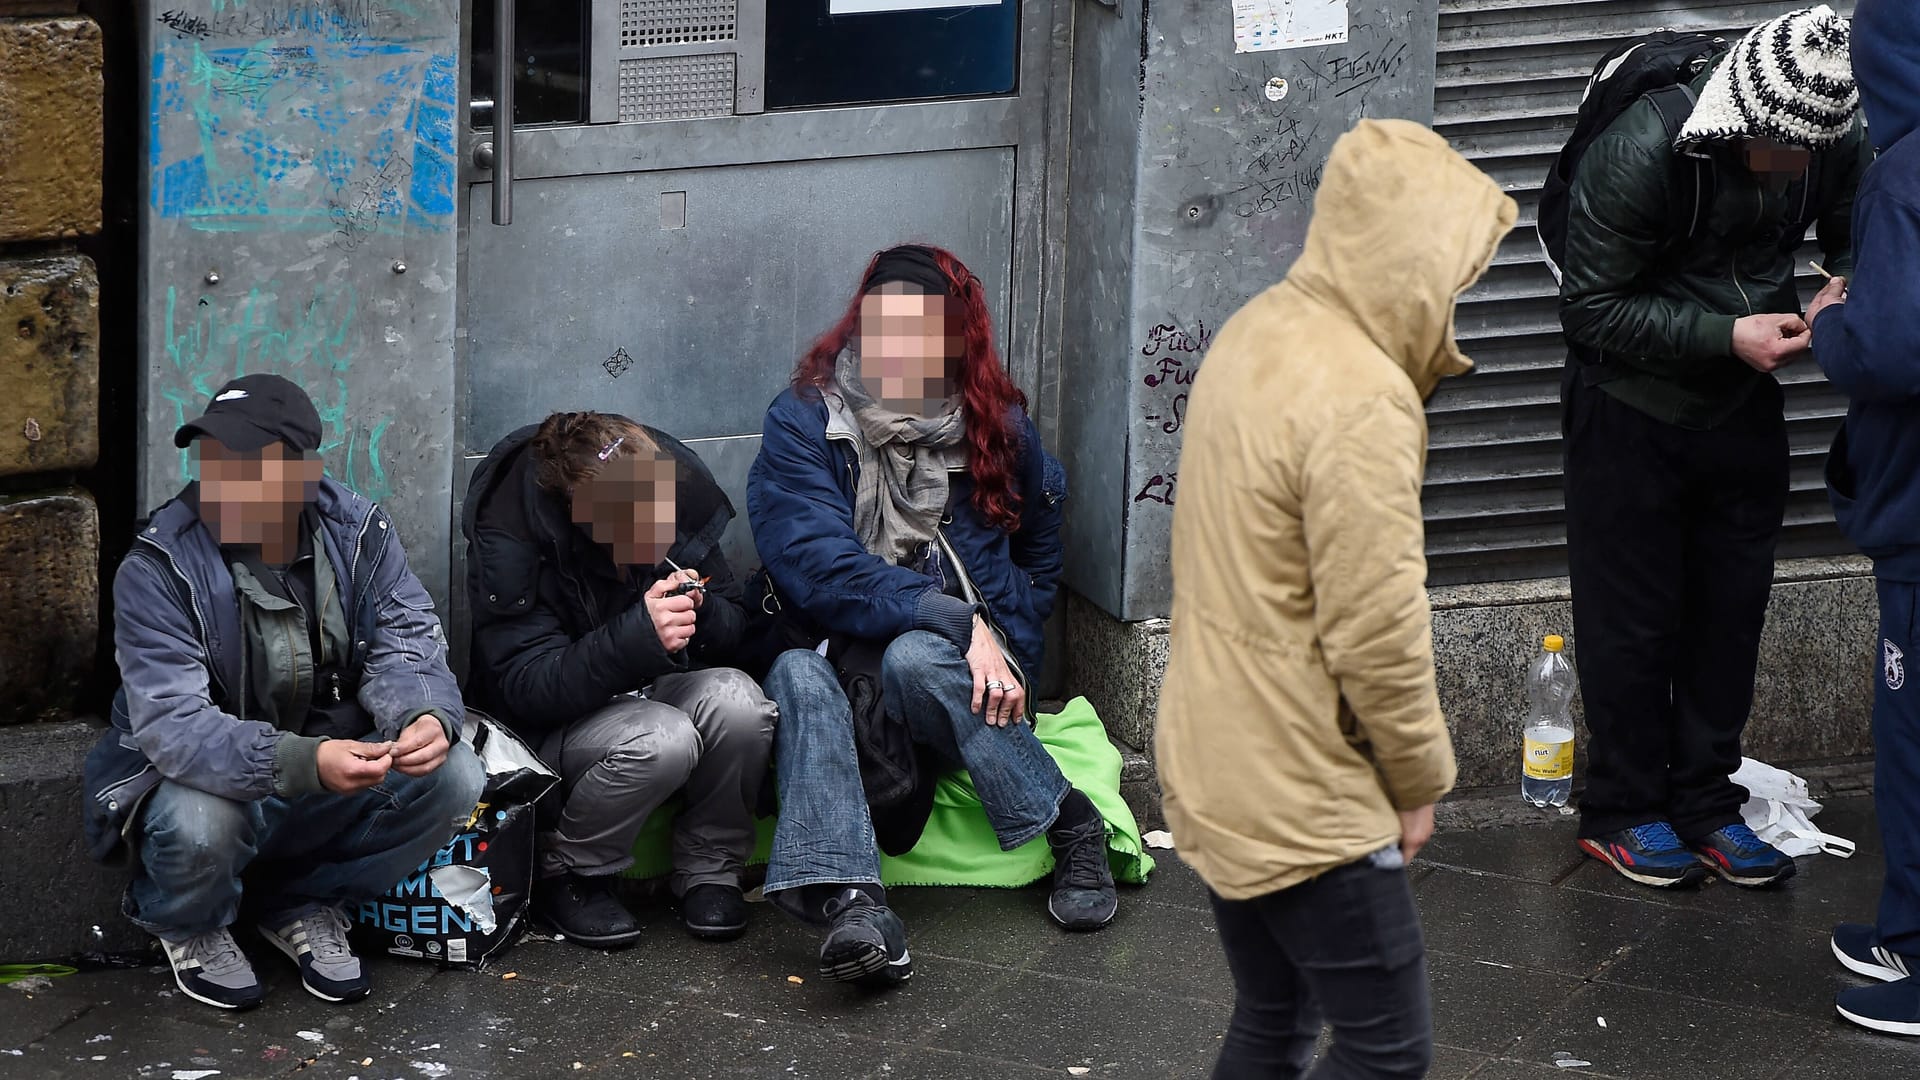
column 904, row 461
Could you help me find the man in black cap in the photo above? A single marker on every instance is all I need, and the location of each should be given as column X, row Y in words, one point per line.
column 286, row 712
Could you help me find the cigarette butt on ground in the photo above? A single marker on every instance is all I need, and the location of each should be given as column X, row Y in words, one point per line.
column 795, row 980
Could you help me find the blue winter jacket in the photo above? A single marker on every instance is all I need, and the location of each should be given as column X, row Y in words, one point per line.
column 800, row 502
column 178, row 639
column 1870, row 345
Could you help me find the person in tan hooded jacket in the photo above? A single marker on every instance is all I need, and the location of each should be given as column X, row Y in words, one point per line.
column 1300, row 741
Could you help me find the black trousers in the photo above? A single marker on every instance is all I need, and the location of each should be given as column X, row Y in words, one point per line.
column 1345, row 949
column 1670, row 541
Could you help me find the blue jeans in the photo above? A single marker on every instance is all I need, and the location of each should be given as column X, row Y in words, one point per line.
column 297, row 853
column 825, row 833
column 1344, row 948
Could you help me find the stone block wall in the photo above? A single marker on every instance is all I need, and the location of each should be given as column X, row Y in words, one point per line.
column 52, row 93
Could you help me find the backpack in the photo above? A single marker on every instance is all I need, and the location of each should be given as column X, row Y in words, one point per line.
column 1658, row 66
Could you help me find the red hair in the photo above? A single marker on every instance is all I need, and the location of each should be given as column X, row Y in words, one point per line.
column 988, row 395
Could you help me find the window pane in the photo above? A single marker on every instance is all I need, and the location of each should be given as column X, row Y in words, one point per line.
column 814, row 58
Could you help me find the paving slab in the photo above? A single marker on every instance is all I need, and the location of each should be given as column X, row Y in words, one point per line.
column 1527, row 924
column 1528, row 947
column 1666, row 1036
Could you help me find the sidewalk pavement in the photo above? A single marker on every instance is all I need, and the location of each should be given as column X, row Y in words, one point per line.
column 1535, row 953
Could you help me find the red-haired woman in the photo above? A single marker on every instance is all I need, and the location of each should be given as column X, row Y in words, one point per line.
column 903, row 505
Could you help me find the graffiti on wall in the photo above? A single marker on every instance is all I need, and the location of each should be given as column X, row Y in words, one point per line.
column 328, row 120
column 307, row 342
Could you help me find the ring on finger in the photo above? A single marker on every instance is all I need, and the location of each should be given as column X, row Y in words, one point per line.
column 996, row 685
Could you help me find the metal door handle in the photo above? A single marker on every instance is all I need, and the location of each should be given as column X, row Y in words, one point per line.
column 503, row 64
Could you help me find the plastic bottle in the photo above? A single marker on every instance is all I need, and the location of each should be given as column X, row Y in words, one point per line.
column 1546, row 765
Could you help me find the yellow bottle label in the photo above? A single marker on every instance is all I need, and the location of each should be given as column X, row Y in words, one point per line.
column 1548, row 760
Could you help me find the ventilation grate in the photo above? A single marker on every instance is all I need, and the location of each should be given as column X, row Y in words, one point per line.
column 645, row 23
column 676, row 87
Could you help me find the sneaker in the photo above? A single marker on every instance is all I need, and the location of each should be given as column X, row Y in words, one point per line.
column 1736, row 854
column 1650, row 854
column 1084, row 897
column 1890, row 1008
column 585, row 910
column 714, row 912
column 1859, row 950
column 866, row 942
column 316, row 939
column 212, row 970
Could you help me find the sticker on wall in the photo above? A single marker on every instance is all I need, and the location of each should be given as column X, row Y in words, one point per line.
column 871, row 7
column 1267, row 25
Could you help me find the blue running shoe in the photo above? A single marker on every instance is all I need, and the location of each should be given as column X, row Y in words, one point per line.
column 1736, row 854
column 1858, row 948
column 1890, row 1008
column 1650, row 854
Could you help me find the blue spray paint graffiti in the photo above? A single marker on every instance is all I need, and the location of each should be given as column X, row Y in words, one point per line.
column 333, row 118
column 265, row 136
column 208, row 343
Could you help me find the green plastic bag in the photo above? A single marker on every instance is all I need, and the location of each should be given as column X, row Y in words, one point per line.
column 958, row 846
column 13, row 973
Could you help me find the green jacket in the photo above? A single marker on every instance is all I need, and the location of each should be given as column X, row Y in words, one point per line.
column 1661, row 314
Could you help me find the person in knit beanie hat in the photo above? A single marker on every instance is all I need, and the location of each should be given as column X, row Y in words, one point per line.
column 1679, row 300
column 1790, row 80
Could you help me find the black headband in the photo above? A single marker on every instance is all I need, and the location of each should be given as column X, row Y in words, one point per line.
column 912, row 265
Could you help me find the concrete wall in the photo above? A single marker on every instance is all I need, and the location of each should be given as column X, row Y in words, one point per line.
column 1191, row 181
column 1812, row 701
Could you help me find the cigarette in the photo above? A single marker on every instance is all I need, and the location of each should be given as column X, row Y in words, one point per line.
column 1822, row 270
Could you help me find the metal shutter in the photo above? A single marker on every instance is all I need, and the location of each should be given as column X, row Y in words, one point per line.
column 1510, row 77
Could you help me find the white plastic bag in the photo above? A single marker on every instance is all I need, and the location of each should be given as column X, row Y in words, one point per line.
column 1780, row 811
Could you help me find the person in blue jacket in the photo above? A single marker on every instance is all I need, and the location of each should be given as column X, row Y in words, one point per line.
column 286, row 722
column 1866, row 336
column 902, row 502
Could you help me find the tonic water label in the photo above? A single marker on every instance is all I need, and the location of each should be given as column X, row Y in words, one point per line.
column 1548, row 760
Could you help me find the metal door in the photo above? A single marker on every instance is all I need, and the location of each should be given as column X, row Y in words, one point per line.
column 688, row 209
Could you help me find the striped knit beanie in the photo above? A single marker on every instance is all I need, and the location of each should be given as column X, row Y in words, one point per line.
column 1790, row 79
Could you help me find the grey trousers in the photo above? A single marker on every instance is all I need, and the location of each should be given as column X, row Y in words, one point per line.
column 708, row 732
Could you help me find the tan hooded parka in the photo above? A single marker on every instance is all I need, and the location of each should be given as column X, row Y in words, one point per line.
column 1299, row 711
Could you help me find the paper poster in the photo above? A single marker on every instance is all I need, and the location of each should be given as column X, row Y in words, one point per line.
column 869, row 7
column 1266, row 25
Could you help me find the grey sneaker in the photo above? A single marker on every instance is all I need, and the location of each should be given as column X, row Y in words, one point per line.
column 211, row 969
column 316, row 939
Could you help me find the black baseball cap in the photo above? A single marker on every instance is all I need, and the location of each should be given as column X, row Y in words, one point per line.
column 253, row 412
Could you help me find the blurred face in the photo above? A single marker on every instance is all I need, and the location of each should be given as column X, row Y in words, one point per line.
column 629, row 507
column 910, row 349
column 1776, row 161
column 253, row 498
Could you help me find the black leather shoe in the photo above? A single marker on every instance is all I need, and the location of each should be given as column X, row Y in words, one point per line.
column 714, row 912
column 585, row 910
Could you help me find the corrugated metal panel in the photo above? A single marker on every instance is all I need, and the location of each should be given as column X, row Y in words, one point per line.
column 1510, row 77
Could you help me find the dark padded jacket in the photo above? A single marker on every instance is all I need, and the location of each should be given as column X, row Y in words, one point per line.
column 557, row 628
column 800, row 501
column 1660, row 314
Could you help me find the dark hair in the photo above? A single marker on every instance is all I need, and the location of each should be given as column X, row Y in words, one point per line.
column 988, row 394
column 568, row 447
